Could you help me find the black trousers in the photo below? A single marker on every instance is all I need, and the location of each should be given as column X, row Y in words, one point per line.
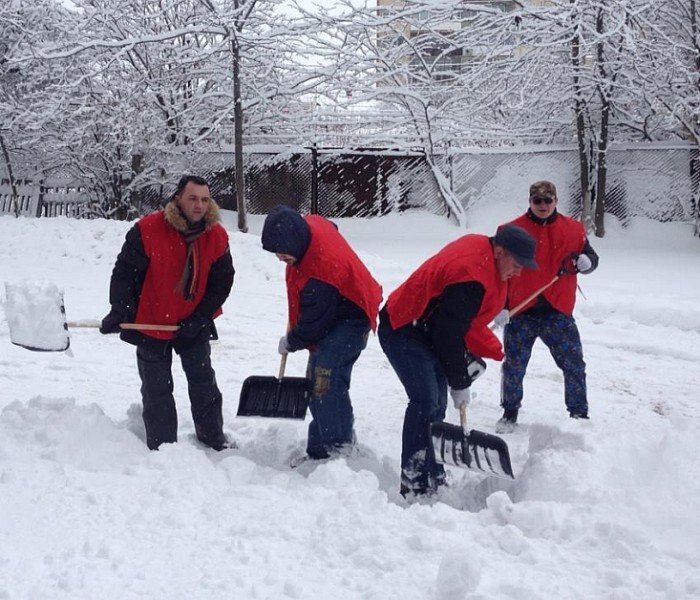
column 159, row 412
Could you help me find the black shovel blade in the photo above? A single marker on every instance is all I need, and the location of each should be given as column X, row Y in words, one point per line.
column 286, row 398
column 477, row 450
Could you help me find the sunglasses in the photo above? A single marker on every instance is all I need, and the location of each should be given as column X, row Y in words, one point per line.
column 540, row 199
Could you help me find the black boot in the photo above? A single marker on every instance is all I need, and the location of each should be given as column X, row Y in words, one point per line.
column 508, row 422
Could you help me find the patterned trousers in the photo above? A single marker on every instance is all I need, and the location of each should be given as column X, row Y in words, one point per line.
column 560, row 334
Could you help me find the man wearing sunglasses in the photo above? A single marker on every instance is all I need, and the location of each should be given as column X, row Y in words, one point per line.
column 562, row 249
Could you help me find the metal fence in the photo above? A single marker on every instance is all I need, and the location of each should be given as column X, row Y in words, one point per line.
column 44, row 198
column 656, row 181
column 653, row 180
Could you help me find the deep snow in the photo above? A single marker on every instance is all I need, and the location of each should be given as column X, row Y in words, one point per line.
column 605, row 509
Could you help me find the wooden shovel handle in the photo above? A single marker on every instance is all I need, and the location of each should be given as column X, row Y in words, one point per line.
column 562, row 271
column 143, row 326
column 283, row 358
column 149, row 327
column 531, row 297
column 283, row 365
column 86, row 323
column 463, row 417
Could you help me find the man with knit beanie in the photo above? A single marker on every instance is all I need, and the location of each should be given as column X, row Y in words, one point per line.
column 333, row 302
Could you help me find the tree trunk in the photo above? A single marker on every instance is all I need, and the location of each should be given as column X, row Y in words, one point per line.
column 601, row 157
column 602, row 170
column 581, row 138
column 10, row 175
column 694, row 153
column 694, row 163
column 238, row 133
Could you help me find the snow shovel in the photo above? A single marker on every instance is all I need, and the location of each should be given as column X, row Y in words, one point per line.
column 277, row 397
column 476, row 450
column 36, row 317
column 58, row 340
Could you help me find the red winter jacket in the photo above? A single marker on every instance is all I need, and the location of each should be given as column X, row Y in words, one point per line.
column 329, row 258
column 145, row 278
column 556, row 239
column 469, row 258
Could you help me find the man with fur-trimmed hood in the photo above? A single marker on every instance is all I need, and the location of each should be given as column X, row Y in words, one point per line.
column 174, row 269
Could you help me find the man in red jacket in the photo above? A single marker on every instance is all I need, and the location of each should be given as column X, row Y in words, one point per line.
column 434, row 330
column 175, row 268
column 561, row 244
column 333, row 302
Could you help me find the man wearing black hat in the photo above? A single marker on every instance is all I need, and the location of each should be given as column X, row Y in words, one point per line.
column 435, row 332
column 562, row 248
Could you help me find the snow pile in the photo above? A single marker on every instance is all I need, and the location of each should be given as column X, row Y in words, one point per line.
column 598, row 509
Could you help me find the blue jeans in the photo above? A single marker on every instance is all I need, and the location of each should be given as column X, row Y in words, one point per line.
column 159, row 412
column 330, row 368
column 560, row 334
column 424, row 380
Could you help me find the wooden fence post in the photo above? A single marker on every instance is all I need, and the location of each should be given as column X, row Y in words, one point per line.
column 40, row 199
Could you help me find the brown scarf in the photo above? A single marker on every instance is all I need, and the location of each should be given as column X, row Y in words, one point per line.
column 188, row 280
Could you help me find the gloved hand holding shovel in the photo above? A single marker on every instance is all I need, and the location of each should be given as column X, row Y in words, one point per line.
column 111, row 322
column 460, row 398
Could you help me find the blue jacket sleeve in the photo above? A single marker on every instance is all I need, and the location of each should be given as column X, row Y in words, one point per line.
column 318, row 313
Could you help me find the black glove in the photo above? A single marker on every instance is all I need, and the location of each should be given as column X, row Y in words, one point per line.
column 475, row 367
column 110, row 324
column 192, row 326
column 568, row 265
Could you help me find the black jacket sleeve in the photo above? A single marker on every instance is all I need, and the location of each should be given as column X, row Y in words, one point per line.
column 459, row 304
column 219, row 285
column 128, row 275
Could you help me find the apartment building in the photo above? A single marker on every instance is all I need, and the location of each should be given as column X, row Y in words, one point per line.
column 438, row 43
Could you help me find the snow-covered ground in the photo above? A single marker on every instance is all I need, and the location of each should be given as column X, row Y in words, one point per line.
column 605, row 509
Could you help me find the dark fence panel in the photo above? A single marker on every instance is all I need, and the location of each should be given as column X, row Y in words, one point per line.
column 332, row 183
column 652, row 180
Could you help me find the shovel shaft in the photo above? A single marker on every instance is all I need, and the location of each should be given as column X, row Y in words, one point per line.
column 283, row 365
column 531, row 297
column 142, row 326
column 463, row 417
column 149, row 327
column 84, row 323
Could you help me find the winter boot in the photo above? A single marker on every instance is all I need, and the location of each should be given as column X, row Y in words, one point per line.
column 508, row 422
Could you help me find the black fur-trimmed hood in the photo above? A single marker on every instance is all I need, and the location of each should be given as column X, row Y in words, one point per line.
column 175, row 218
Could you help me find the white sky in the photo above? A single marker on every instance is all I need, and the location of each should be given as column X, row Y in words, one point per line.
column 601, row 509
